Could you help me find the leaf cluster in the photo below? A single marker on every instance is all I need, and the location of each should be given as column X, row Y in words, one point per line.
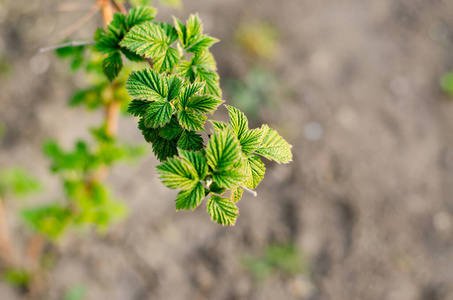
column 172, row 100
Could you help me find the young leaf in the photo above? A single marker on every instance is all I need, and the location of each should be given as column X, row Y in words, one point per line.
column 201, row 43
column 112, row 65
column 140, row 15
column 137, row 107
column 190, row 199
column 238, row 121
column 147, row 84
column 167, row 60
column 146, row 39
column 190, row 120
column 218, row 126
column 254, row 168
column 197, row 160
column 190, row 140
column 178, row 173
column 223, row 150
column 236, row 194
column 251, row 140
column 222, row 210
column 274, row 147
column 211, row 79
column 163, row 148
column 188, row 91
column 158, row 114
column 171, row 130
column 229, row 178
column 203, row 104
column 174, row 84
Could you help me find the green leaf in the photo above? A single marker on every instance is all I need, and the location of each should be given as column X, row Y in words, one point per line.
column 218, row 126
column 229, row 178
column 190, row 199
column 18, row 182
column 137, row 107
column 238, row 121
column 194, row 26
column 166, row 61
column 171, row 130
column 198, row 160
column 255, row 169
column 190, row 140
column 170, row 32
column 164, row 148
column 112, row 65
column 223, row 150
column 274, row 147
column 178, row 173
column 188, row 91
column 216, row 189
column 190, row 120
column 204, row 60
column 146, row 39
column 222, row 210
column 203, row 104
column 147, row 84
column 50, row 220
column 211, row 80
column 174, row 84
column 140, row 15
column 251, row 140
column 236, row 194
column 158, row 114
column 201, row 43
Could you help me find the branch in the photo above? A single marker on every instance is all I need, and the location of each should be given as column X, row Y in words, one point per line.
column 68, row 44
column 254, row 193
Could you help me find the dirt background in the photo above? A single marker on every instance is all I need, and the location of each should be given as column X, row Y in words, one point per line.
column 367, row 199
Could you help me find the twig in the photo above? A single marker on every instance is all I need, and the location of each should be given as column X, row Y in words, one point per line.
column 79, row 23
column 254, row 193
column 6, row 251
column 68, row 44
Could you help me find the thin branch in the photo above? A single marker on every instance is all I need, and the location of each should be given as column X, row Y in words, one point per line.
column 254, row 193
column 80, row 22
column 68, row 44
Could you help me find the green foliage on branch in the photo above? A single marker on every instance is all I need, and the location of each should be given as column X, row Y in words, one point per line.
column 173, row 99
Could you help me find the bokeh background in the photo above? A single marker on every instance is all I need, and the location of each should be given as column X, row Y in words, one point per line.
column 363, row 212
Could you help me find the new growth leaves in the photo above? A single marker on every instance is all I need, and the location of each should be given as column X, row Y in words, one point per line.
column 173, row 99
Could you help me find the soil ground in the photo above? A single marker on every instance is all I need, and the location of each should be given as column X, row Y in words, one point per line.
column 367, row 199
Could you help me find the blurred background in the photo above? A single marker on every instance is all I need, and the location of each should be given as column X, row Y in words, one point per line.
column 363, row 212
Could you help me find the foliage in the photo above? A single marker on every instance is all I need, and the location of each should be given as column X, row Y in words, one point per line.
column 283, row 258
column 172, row 100
column 18, row 182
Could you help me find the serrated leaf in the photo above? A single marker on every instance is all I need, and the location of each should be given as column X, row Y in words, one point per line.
column 236, row 194
column 238, row 121
column 170, row 32
column 229, row 178
column 190, row 140
column 201, row 43
column 107, row 44
column 197, row 159
column 204, row 60
column 147, row 84
column 146, row 39
column 194, row 26
column 150, row 134
column 112, row 65
column 140, row 15
column 137, row 107
column 188, row 91
column 190, row 120
column 174, row 84
column 223, row 150
column 190, row 199
column 171, row 130
column 274, row 147
column 218, row 126
column 163, row 148
column 211, row 80
column 222, row 210
column 255, row 169
column 167, row 60
column 203, row 104
column 185, row 70
column 178, row 173
column 158, row 114
column 251, row 140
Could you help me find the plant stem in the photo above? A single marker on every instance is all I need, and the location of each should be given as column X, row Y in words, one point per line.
column 6, row 251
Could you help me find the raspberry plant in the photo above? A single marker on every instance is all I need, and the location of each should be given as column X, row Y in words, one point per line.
column 172, row 99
